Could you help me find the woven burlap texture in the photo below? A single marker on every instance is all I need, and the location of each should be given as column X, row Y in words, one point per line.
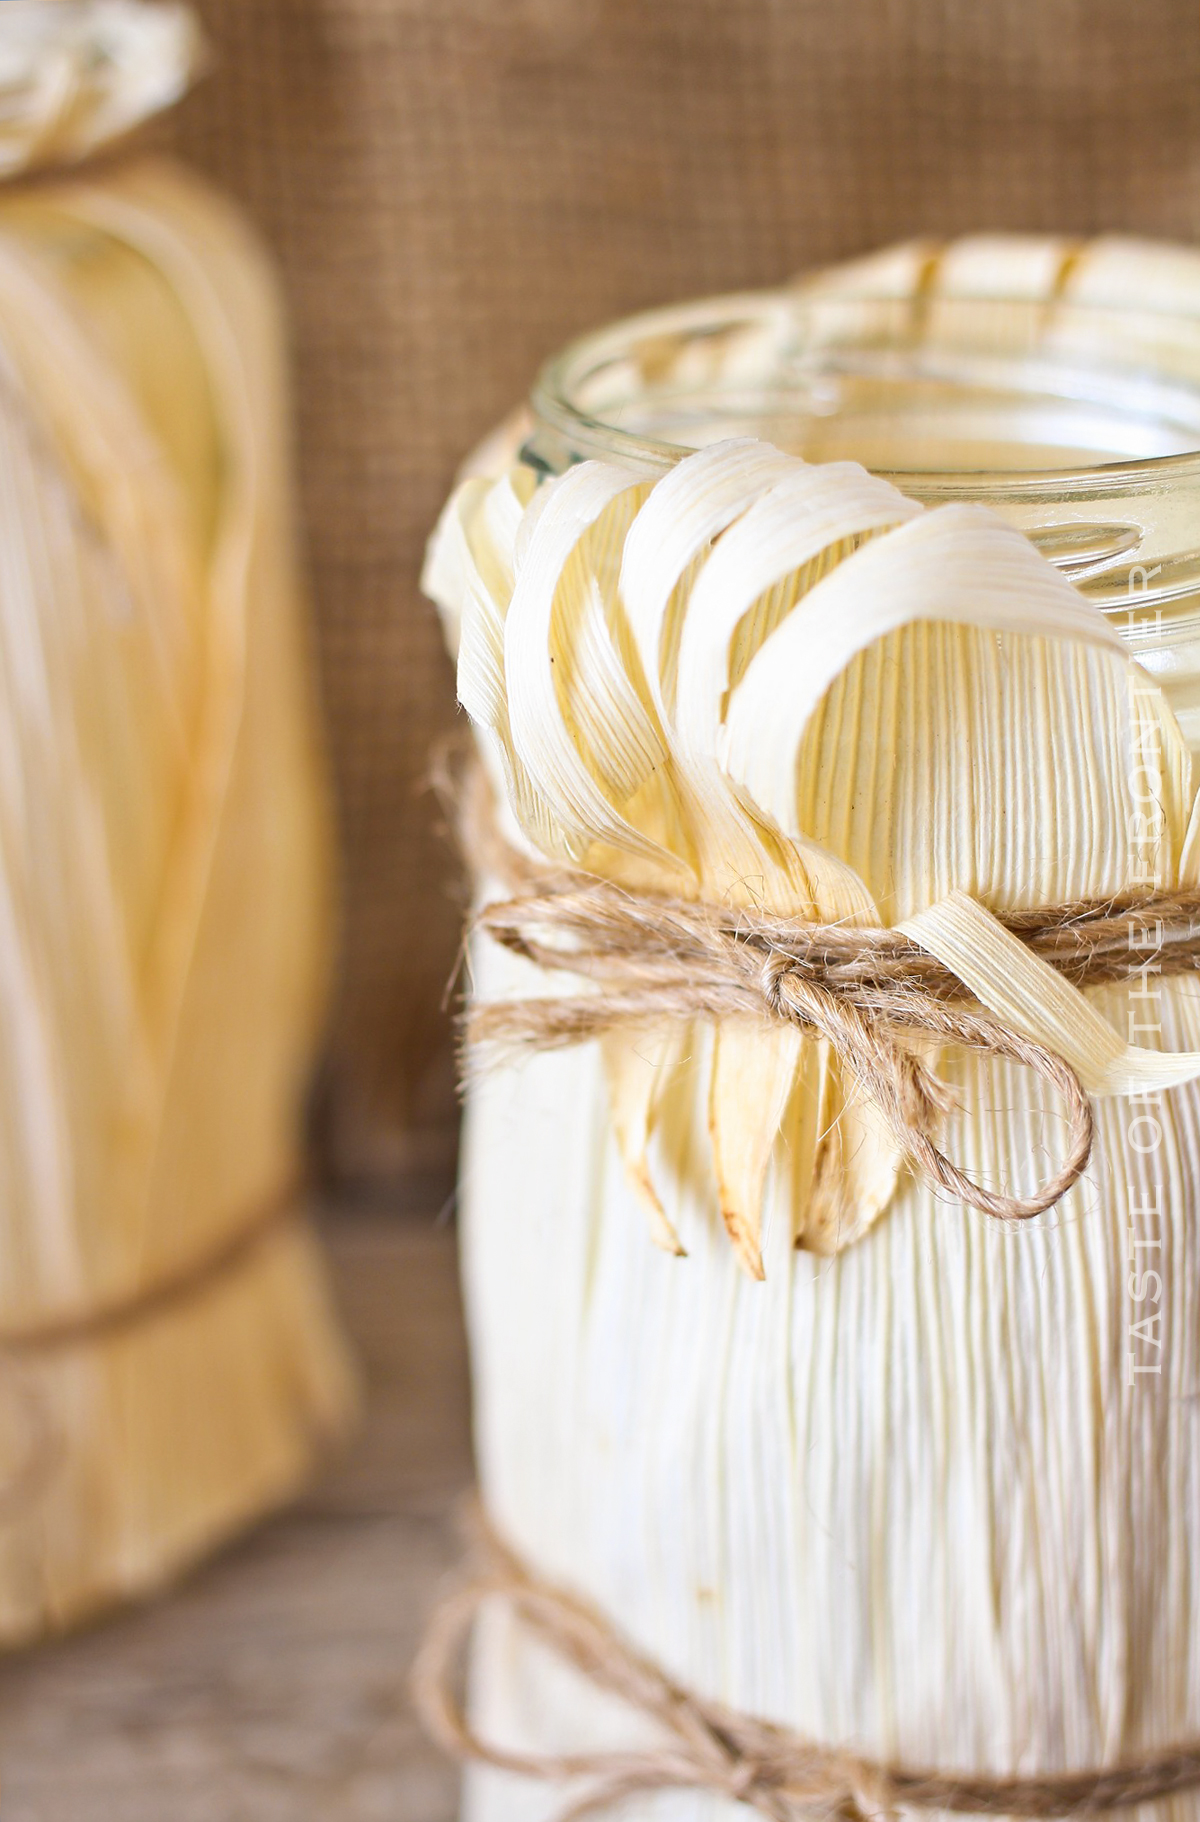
column 455, row 187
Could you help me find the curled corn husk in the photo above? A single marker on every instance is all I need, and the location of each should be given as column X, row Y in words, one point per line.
column 655, row 662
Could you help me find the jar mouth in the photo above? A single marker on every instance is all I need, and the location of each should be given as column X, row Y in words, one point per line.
column 947, row 397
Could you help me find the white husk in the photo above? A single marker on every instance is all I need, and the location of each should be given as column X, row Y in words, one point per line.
column 77, row 74
column 906, row 1496
column 164, row 884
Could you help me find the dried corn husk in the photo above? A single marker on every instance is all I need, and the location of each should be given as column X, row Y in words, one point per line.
column 75, row 75
column 164, row 861
column 908, row 1493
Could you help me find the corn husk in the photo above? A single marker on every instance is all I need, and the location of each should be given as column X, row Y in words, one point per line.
column 908, row 1491
column 164, row 873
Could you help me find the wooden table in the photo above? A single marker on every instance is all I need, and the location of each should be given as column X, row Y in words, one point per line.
column 270, row 1687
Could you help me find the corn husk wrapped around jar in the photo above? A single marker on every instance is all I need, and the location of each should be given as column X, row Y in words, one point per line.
column 169, row 1362
column 863, row 1462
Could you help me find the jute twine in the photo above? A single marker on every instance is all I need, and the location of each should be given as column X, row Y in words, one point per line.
column 187, row 1282
column 706, row 1746
column 877, row 996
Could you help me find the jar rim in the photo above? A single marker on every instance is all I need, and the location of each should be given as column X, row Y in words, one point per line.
column 565, row 431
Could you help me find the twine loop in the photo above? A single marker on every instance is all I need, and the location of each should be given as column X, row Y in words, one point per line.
column 704, row 1745
column 875, row 1043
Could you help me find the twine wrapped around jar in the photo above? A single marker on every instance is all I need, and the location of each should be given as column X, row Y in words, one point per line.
column 701, row 1745
column 170, row 1365
column 877, row 997
column 915, row 1485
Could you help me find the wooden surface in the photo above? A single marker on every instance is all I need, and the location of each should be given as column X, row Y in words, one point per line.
column 270, row 1687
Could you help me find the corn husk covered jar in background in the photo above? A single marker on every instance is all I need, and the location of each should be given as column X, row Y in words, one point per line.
column 743, row 613
column 169, row 1362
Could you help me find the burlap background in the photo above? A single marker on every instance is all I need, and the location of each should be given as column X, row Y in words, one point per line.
column 456, row 186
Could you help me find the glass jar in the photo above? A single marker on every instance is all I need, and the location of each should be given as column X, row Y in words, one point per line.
column 898, row 1497
column 1078, row 422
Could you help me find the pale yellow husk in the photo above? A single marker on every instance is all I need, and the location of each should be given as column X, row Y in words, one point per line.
column 682, row 679
column 165, row 910
column 908, row 1496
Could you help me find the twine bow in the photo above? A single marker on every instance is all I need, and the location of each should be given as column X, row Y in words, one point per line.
column 704, row 1745
column 878, row 996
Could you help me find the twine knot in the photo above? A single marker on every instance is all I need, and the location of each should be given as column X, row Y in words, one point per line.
column 884, row 1001
column 882, row 1004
